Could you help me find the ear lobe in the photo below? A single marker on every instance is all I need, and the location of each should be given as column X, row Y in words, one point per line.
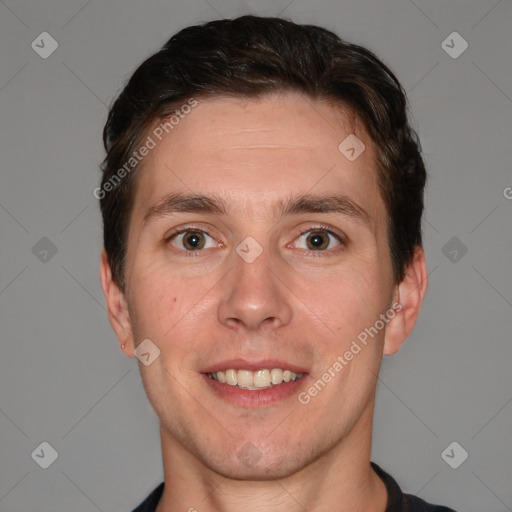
column 409, row 293
column 117, row 308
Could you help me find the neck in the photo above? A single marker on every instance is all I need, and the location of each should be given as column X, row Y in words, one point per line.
column 341, row 479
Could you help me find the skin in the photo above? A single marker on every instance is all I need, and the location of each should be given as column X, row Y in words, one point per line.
column 291, row 303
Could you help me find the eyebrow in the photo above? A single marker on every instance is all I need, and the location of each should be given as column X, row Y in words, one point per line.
column 214, row 204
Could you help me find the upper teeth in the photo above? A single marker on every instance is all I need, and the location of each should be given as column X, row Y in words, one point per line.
column 255, row 380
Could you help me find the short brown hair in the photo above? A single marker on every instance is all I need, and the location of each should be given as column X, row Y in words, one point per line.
column 250, row 57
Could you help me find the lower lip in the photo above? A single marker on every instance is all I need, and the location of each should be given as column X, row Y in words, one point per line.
column 256, row 397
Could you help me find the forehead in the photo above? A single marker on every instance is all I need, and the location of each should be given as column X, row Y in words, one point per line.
column 256, row 151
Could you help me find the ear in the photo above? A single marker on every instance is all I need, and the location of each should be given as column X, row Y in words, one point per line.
column 408, row 296
column 117, row 307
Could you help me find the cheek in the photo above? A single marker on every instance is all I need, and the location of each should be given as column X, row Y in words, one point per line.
column 347, row 302
column 156, row 301
column 168, row 308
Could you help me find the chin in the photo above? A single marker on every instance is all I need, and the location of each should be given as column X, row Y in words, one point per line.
column 249, row 463
column 262, row 472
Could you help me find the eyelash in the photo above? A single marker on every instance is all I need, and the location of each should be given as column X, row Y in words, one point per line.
column 322, row 227
column 315, row 254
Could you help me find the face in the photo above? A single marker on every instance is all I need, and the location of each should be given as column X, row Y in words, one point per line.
column 257, row 248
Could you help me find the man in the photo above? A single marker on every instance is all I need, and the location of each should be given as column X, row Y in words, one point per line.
column 262, row 198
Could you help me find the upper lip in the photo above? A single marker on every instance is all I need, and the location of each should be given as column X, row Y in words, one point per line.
column 244, row 364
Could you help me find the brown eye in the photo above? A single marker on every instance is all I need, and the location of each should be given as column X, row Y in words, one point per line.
column 317, row 240
column 193, row 240
column 190, row 240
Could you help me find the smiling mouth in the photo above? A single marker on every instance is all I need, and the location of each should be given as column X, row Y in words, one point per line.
column 257, row 380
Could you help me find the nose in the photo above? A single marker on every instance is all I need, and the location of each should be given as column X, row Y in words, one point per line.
column 254, row 297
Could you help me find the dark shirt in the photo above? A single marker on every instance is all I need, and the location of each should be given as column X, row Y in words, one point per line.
column 397, row 501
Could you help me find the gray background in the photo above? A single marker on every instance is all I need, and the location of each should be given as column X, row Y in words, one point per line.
column 63, row 379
